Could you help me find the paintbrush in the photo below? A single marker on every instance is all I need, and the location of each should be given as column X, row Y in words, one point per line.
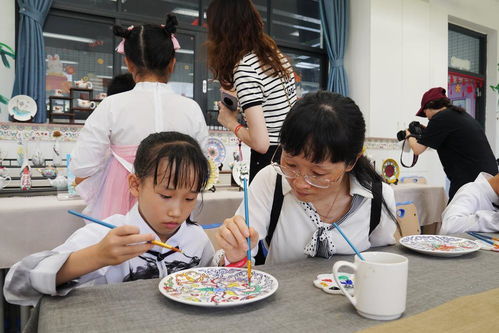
column 111, row 226
column 246, row 217
column 348, row 241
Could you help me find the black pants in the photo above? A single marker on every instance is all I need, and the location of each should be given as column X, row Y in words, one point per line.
column 259, row 161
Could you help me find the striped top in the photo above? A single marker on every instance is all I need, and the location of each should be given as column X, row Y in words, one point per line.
column 254, row 87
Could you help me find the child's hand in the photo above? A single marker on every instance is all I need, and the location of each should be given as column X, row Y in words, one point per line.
column 232, row 235
column 115, row 248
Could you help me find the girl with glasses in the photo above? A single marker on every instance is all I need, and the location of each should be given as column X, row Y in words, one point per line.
column 320, row 178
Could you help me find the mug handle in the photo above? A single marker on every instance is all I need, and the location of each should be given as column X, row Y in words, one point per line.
column 7, row 177
column 336, row 267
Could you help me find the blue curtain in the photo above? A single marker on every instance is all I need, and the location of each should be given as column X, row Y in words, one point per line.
column 30, row 61
column 334, row 17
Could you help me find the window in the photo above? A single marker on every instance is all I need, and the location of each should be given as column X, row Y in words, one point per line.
column 297, row 21
column 307, row 69
column 186, row 11
column 77, row 49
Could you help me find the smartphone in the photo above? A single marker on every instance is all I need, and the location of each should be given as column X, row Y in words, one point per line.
column 228, row 100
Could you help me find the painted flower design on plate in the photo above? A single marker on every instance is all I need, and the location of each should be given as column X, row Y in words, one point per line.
column 439, row 244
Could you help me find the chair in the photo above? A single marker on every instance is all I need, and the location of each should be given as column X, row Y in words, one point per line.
column 413, row 180
column 407, row 220
column 211, row 231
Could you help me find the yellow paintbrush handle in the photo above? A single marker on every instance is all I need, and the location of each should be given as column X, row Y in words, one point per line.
column 158, row 243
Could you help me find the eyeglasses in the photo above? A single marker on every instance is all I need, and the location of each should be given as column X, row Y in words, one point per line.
column 316, row 181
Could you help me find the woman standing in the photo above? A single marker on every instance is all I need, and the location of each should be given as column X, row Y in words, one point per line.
column 247, row 62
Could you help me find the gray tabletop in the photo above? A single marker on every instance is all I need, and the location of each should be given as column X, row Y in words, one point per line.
column 297, row 305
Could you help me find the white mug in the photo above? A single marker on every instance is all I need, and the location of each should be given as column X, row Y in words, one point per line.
column 102, row 95
column 58, row 92
column 84, row 84
column 58, row 109
column 4, row 181
column 83, row 103
column 380, row 287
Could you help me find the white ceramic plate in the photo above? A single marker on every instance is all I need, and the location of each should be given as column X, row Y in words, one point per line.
column 22, row 107
column 440, row 245
column 217, row 286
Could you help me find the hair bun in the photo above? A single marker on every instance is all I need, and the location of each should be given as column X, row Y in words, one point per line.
column 171, row 23
column 119, row 31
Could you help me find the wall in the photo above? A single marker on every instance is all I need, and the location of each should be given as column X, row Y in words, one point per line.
column 7, row 36
column 397, row 49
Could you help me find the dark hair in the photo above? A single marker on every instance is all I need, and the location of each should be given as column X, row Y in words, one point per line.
column 325, row 126
column 149, row 47
column 120, row 83
column 441, row 103
column 185, row 160
column 235, row 29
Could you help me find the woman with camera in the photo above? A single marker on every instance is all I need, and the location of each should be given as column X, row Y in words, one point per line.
column 246, row 60
column 457, row 137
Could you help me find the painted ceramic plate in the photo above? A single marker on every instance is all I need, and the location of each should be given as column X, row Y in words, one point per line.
column 213, row 177
column 217, row 286
column 237, row 169
column 216, row 150
column 439, row 245
column 22, row 107
column 390, row 170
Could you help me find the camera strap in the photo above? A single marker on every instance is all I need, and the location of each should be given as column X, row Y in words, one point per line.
column 414, row 156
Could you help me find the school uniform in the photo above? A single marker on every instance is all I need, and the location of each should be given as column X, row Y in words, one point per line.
column 107, row 144
column 35, row 275
column 300, row 233
column 475, row 207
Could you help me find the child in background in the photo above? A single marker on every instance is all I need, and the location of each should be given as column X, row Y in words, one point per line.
column 475, row 207
column 106, row 146
column 120, row 83
column 170, row 171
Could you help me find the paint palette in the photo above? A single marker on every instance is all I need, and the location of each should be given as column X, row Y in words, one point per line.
column 439, row 245
column 327, row 283
column 217, row 286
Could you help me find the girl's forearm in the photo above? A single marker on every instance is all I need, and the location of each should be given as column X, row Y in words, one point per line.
column 79, row 263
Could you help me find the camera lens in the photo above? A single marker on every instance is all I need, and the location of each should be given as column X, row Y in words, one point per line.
column 401, row 135
column 228, row 101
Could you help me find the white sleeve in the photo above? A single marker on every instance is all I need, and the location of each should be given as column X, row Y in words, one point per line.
column 201, row 129
column 92, row 148
column 208, row 253
column 383, row 234
column 471, row 210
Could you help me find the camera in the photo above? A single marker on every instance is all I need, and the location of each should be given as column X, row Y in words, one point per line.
column 415, row 128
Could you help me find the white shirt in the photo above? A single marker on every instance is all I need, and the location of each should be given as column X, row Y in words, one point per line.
column 294, row 228
column 35, row 275
column 125, row 119
column 471, row 208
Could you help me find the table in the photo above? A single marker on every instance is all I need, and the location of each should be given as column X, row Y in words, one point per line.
column 297, row 305
column 33, row 224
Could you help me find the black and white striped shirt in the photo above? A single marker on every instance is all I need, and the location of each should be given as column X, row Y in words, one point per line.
column 275, row 94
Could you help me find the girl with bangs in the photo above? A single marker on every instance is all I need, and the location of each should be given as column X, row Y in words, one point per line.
column 320, row 178
column 248, row 63
column 170, row 170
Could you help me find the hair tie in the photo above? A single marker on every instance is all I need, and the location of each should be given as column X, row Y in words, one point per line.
column 176, row 45
column 121, row 46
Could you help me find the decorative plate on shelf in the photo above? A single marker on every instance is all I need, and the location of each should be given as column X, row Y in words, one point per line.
column 390, row 170
column 213, row 177
column 238, row 169
column 22, row 107
column 440, row 245
column 216, row 150
column 217, row 286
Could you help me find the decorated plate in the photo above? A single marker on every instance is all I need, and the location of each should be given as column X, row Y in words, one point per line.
column 390, row 170
column 213, row 177
column 216, row 150
column 439, row 245
column 217, row 286
column 238, row 169
column 22, row 107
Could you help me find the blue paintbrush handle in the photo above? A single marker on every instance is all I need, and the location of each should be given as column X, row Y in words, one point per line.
column 480, row 237
column 246, row 214
column 348, row 241
column 89, row 218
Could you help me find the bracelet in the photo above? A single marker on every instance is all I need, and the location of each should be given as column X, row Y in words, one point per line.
column 238, row 127
column 240, row 263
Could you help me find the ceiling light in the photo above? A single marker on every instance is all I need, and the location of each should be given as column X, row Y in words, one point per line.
column 307, row 65
column 184, row 51
column 186, row 12
column 69, row 37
